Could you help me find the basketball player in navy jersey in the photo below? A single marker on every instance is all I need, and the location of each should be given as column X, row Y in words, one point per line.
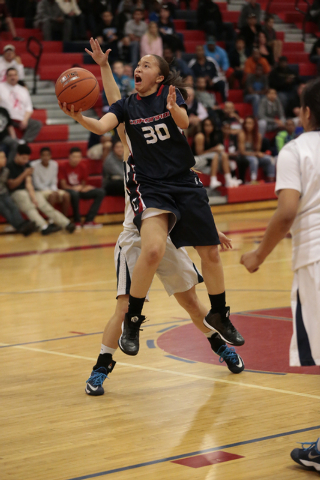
column 166, row 196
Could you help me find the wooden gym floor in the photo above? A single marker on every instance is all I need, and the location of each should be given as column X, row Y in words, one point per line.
column 172, row 412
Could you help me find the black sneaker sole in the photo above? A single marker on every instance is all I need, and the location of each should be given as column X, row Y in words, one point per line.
column 92, row 393
column 237, row 344
column 132, row 354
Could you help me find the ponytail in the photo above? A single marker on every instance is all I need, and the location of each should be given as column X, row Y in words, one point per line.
column 171, row 77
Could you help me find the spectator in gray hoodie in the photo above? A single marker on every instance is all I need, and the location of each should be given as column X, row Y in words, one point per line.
column 271, row 114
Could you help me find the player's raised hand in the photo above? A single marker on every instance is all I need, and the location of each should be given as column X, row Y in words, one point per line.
column 171, row 98
column 226, row 243
column 97, row 54
column 71, row 113
column 251, row 261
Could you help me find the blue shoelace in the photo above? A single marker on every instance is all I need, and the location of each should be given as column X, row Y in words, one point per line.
column 97, row 378
column 310, row 447
column 228, row 353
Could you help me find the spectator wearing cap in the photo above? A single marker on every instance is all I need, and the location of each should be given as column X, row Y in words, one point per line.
column 133, row 30
column 9, row 59
column 252, row 7
column 212, row 50
column 284, row 81
column 17, row 101
column 6, row 20
column 250, row 32
column 255, row 59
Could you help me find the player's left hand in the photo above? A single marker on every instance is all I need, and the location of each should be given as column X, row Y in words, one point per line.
column 226, row 243
column 97, row 54
column 251, row 261
column 171, row 98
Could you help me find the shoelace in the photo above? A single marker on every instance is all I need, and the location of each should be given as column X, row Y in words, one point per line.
column 229, row 353
column 311, row 445
column 97, row 379
column 134, row 328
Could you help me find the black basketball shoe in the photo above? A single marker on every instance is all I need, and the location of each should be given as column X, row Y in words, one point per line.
column 220, row 322
column 307, row 457
column 94, row 383
column 129, row 340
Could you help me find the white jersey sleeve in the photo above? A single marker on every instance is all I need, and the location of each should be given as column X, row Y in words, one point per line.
column 288, row 169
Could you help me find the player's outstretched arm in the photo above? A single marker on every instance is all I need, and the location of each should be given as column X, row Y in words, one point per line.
column 110, row 87
column 277, row 229
column 178, row 114
column 107, row 123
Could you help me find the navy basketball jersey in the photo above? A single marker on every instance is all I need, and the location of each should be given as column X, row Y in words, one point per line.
column 158, row 148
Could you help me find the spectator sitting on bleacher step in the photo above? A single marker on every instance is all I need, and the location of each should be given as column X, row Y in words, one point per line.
column 52, row 22
column 237, row 59
column 256, row 87
column 209, row 18
column 151, row 41
column 207, row 99
column 284, row 80
column 99, row 146
column 196, row 112
column 271, row 114
column 133, row 31
column 254, row 60
column 271, row 34
column 74, row 179
column 6, row 21
column 107, row 34
column 16, row 99
column 252, row 7
column 10, row 59
column 176, row 63
column 236, row 161
column 112, row 181
column 8, row 138
column 167, row 30
column 250, row 33
column 264, row 49
column 45, row 180
column 72, row 12
column 212, row 50
column 285, row 136
column 207, row 67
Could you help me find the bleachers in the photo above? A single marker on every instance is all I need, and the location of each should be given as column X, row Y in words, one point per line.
column 58, row 57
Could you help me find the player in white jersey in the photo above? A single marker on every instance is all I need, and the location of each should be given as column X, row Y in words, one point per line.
column 298, row 190
column 176, row 271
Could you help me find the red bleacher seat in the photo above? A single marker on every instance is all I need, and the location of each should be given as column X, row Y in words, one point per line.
column 59, row 150
column 53, row 133
column 40, row 115
column 179, row 24
column 193, row 36
column 236, row 96
column 307, row 69
column 231, row 17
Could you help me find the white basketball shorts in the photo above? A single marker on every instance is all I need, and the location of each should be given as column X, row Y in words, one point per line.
column 176, row 271
column 305, row 304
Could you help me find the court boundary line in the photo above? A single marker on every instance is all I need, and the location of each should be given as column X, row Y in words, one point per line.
column 191, row 454
column 172, row 372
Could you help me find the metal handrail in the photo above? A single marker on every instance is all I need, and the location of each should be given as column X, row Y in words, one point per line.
column 37, row 56
column 305, row 16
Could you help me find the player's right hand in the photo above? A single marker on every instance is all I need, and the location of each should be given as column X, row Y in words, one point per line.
column 71, row 113
column 97, row 54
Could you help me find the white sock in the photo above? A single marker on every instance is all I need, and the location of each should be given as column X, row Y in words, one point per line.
column 209, row 334
column 253, row 177
column 228, row 177
column 318, row 445
column 105, row 349
column 44, row 227
column 213, row 181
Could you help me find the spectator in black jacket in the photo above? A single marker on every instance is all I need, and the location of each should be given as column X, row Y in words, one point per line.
column 284, row 81
column 251, row 7
column 176, row 63
column 237, row 59
column 207, row 67
column 250, row 33
column 167, row 30
column 107, row 34
column 210, row 18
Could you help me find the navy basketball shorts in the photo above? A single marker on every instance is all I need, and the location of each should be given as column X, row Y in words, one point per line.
column 186, row 198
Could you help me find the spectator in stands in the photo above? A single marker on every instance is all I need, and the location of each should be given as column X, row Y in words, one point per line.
column 230, row 115
column 113, row 171
column 6, row 21
column 92, row 11
column 207, row 67
column 50, row 18
column 196, row 112
column 74, row 179
column 254, row 60
column 209, row 18
column 176, row 63
column 128, row 72
column 167, row 30
column 314, row 55
column 250, row 33
column 212, row 50
column 10, row 59
column 209, row 142
column 236, row 161
column 250, row 144
column 256, row 88
column 271, row 113
column 134, row 29
column 8, row 208
column 8, row 138
column 16, row 99
column 206, row 98
column 264, row 49
column 237, row 58
column 283, row 79
column 273, row 43
column 124, row 16
column 151, row 41
column 107, row 33
column 154, row 14
column 285, row 136
column 28, row 200
column 72, row 11
column 125, row 84
column 99, row 146
column 45, row 180
column 29, row 12
column 294, row 104
column 252, row 7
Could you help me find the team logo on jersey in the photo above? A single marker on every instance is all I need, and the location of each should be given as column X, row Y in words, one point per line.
column 150, row 119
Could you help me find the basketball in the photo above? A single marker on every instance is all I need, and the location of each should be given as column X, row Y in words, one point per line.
column 78, row 87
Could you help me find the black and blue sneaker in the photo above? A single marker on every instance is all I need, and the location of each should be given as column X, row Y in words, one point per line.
column 95, row 381
column 308, row 456
column 230, row 356
column 129, row 339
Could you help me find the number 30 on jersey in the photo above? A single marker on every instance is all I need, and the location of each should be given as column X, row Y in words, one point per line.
column 159, row 132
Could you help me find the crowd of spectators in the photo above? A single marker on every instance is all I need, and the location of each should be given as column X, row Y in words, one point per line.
column 230, row 142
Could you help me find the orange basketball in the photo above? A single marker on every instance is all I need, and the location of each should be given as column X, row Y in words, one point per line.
column 78, row 87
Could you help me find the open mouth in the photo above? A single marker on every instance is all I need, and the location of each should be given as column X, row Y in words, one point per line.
column 137, row 79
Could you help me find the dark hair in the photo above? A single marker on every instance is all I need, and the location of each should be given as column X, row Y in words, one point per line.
column 255, row 131
column 310, row 97
column 24, row 149
column 45, row 149
column 171, row 77
column 11, row 68
column 283, row 58
column 74, row 150
column 268, row 17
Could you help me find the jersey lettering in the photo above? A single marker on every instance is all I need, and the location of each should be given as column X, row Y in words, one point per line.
column 153, row 136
